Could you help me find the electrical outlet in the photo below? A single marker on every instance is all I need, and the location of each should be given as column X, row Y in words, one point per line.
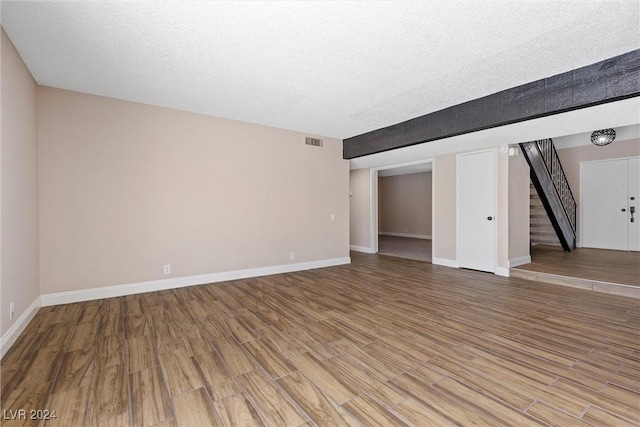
column 167, row 269
column 12, row 309
column 292, row 256
column 332, row 217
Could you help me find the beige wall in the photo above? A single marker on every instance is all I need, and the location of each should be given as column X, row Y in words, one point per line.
column 444, row 213
column 404, row 203
column 572, row 157
column 126, row 188
column 519, row 203
column 502, row 219
column 19, row 187
column 360, row 208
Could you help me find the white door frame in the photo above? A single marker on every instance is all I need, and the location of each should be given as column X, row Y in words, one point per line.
column 495, row 205
column 373, row 205
column 579, row 240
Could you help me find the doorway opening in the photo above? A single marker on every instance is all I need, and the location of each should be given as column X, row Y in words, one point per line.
column 402, row 210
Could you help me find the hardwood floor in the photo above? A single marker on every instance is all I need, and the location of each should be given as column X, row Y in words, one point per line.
column 383, row 341
column 405, row 247
column 599, row 270
column 595, row 264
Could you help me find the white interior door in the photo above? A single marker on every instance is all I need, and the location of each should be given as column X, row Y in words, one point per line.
column 607, row 188
column 634, row 198
column 476, row 191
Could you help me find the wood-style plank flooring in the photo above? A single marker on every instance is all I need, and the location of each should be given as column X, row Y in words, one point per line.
column 383, row 341
column 585, row 263
column 405, row 247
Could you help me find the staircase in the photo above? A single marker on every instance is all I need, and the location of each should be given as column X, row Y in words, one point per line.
column 553, row 191
column 541, row 230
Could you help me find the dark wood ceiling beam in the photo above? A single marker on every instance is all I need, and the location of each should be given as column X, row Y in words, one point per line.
column 606, row 81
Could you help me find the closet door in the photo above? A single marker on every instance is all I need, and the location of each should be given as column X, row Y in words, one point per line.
column 476, row 210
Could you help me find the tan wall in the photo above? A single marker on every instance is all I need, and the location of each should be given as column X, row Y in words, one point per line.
column 404, row 203
column 360, row 208
column 19, row 188
column 126, row 188
column 502, row 219
column 572, row 157
column 444, row 213
column 518, row 207
column 380, row 206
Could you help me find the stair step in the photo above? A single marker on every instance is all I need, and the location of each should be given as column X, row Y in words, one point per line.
column 539, row 214
column 540, row 220
column 541, row 231
column 546, row 243
column 544, row 234
column 542, row 240
column 545, row 240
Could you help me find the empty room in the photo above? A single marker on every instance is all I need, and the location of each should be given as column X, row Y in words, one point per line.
column 320, row 213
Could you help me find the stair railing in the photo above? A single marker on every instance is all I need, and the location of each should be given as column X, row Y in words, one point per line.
column 551, row 183
column 559, row 178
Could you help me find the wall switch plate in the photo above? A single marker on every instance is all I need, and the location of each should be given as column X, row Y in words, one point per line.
column 12, row 309
column 167, row 269
column 332, row 217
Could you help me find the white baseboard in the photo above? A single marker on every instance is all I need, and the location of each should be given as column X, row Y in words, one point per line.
column 501, row 271
column 413, row 236
column 361, row 249
column 16, row 329
column 180, row 282
column 521, row 260
column 446, row 262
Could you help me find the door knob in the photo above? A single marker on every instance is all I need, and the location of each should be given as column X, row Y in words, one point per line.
column 489, row 218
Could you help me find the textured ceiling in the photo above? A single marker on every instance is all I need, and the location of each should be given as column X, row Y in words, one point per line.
column 329, row 68
column 576, row 140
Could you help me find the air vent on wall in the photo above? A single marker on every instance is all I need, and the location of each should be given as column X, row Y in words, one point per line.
column 316, row 142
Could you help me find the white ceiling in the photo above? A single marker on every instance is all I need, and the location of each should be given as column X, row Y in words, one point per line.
column 336, row 69
column 622, row 133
